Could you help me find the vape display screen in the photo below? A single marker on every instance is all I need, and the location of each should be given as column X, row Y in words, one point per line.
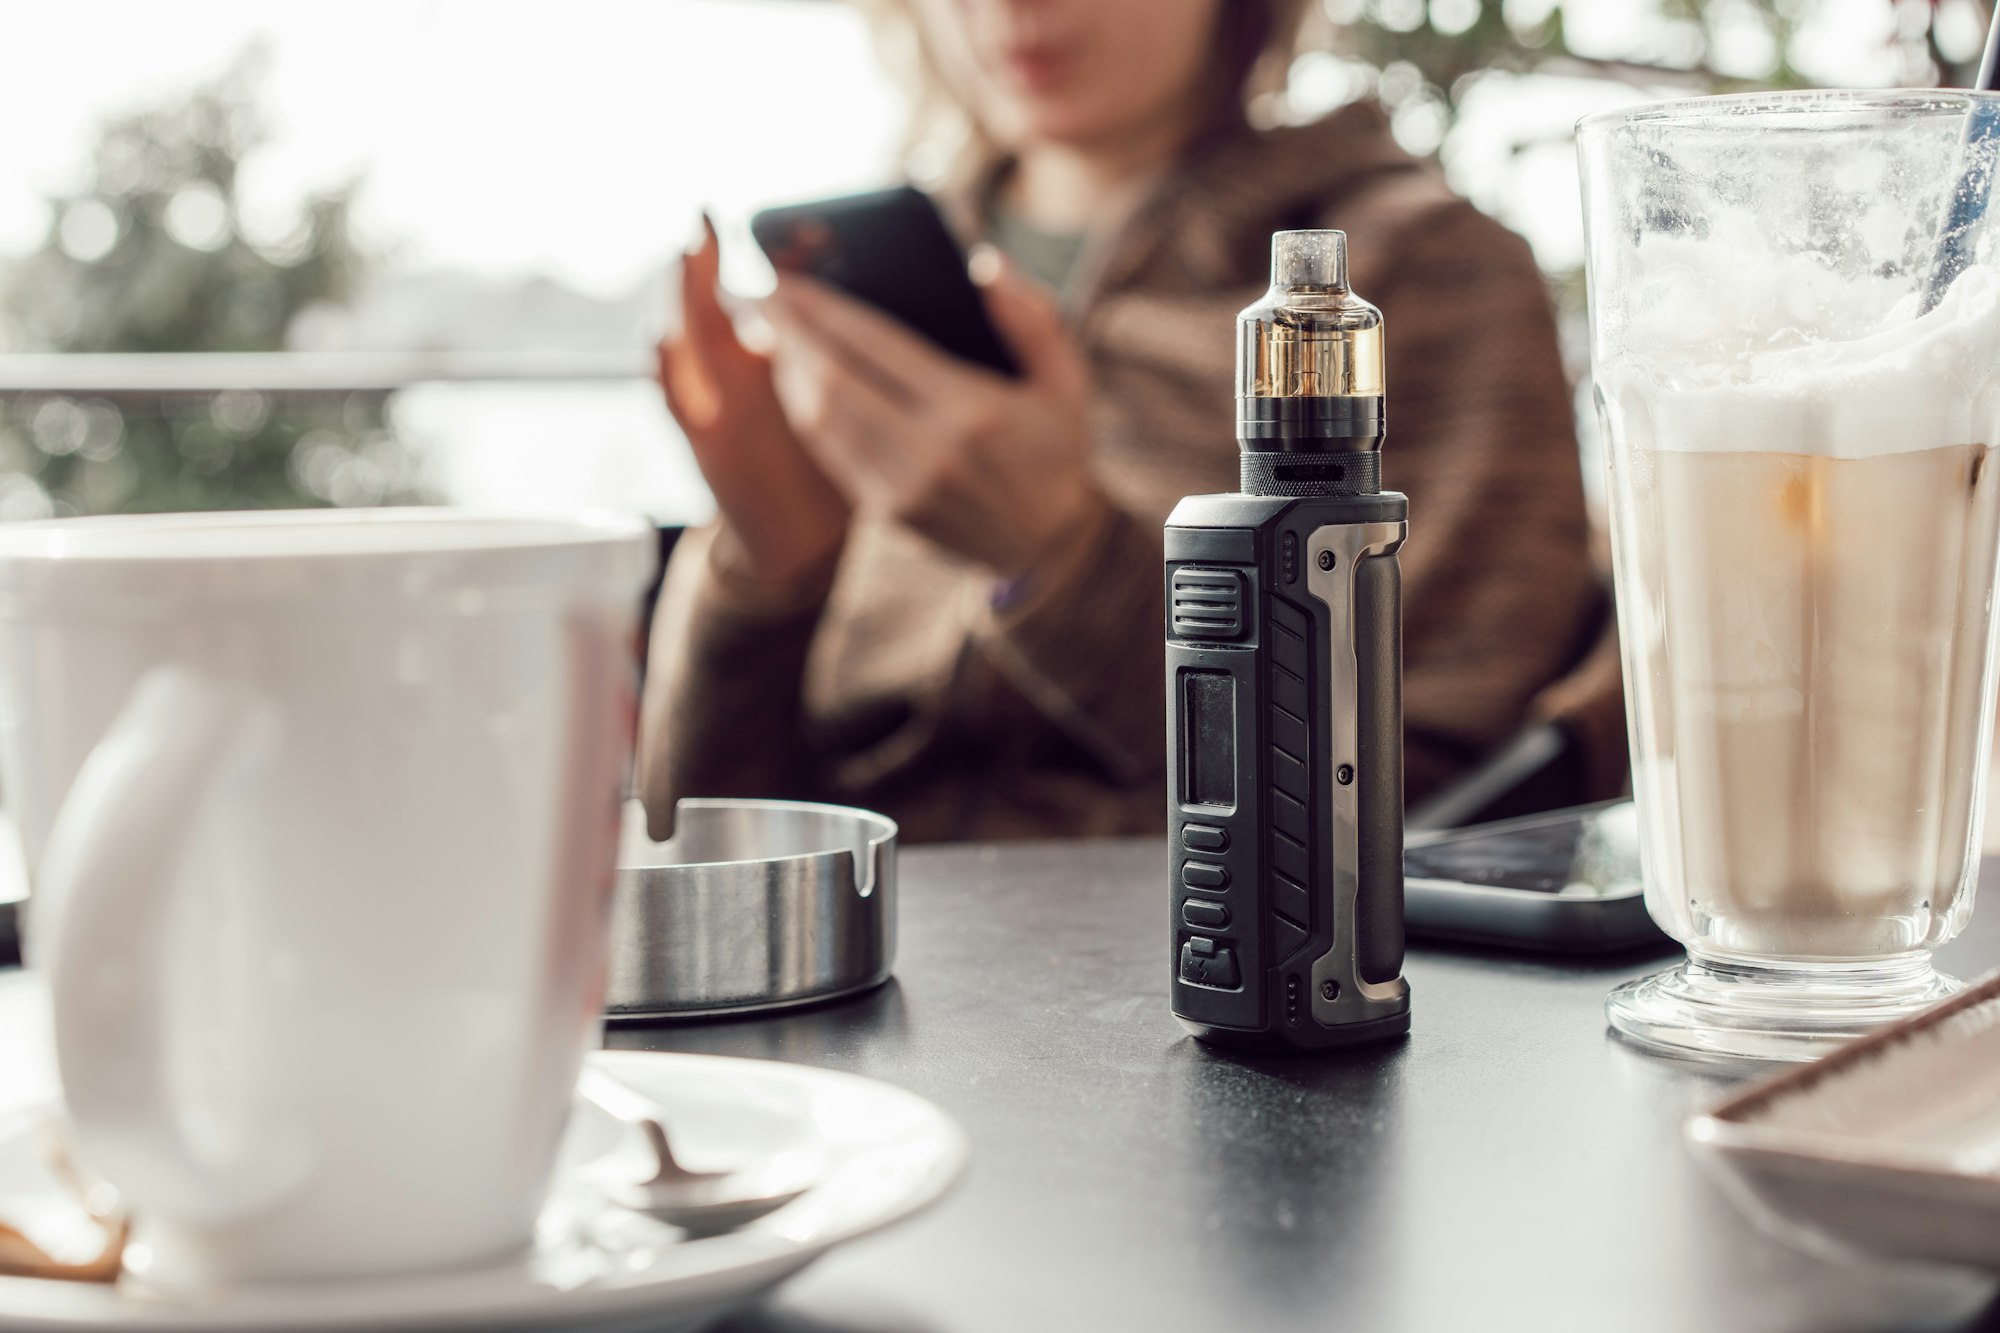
column 1590, row 852
column 1208, row 738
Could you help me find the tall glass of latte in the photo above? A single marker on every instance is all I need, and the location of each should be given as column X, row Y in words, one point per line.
column 1795, row 333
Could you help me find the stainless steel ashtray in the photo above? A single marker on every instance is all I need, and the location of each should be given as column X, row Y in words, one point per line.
column 751, row 905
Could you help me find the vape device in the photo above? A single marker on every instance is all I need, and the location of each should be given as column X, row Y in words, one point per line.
column 1284, row 687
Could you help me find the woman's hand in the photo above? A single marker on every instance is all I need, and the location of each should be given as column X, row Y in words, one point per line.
column 783, row 522
column 991, row 468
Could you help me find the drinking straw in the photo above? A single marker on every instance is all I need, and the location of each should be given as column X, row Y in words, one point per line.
column 1989, row 67
column 1975, row 180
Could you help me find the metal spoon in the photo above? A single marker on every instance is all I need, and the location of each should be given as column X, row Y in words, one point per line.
column 701, row 1203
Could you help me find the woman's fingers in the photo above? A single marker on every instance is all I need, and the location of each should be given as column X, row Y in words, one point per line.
column 686, row 375
column 903, row 362
column 703, row 320
column 692, row 395
column 855, row 430
column 1029, row 319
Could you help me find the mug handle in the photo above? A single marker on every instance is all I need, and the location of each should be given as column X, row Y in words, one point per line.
column 108, row 870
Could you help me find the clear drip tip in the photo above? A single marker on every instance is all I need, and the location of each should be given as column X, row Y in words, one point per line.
column 1311, row 336
column 1302, row 260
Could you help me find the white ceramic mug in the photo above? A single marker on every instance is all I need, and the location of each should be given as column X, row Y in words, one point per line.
column 320, row 811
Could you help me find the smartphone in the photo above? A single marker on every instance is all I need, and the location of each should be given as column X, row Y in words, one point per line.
column 13, row 893
column 890, row 248
column 1566, row 881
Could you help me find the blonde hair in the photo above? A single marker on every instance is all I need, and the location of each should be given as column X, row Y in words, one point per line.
column 944, row 138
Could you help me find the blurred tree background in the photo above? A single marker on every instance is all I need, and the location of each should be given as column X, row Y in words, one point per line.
column 149, row 256
column 1423, row 57
column 1455, row 75
column 149, row 250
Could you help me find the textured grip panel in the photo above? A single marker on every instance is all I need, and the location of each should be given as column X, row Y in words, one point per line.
column 1289, row 730
column 1378, row 626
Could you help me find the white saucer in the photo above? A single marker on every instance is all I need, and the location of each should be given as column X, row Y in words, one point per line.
column 886, row 1154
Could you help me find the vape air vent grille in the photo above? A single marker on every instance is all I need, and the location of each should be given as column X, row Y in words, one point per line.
column 1208, row 603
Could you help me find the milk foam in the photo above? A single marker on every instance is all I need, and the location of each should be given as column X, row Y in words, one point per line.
column 1910, row 383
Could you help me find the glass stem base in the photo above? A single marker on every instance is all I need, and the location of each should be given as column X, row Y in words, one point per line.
column 1729, row 1008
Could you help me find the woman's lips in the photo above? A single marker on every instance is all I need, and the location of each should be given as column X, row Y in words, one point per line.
column 1037, row 68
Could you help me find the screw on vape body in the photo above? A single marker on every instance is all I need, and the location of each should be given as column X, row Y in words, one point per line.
column 1284, row 687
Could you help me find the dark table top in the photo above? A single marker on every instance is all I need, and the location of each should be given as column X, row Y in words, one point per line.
column 1511, row 1165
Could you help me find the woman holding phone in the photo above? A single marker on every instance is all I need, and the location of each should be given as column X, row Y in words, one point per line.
column 937, row 592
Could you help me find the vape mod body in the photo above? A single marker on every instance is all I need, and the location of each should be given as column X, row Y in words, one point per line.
column 1284, row 688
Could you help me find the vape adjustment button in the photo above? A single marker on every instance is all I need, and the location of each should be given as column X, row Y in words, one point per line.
column 1206, row 963
column 1204, row 875
column 1204, row 838
column 1208, row 604
column 1204, row 915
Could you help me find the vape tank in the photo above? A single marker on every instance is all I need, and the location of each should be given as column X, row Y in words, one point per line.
column 1284, row 687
